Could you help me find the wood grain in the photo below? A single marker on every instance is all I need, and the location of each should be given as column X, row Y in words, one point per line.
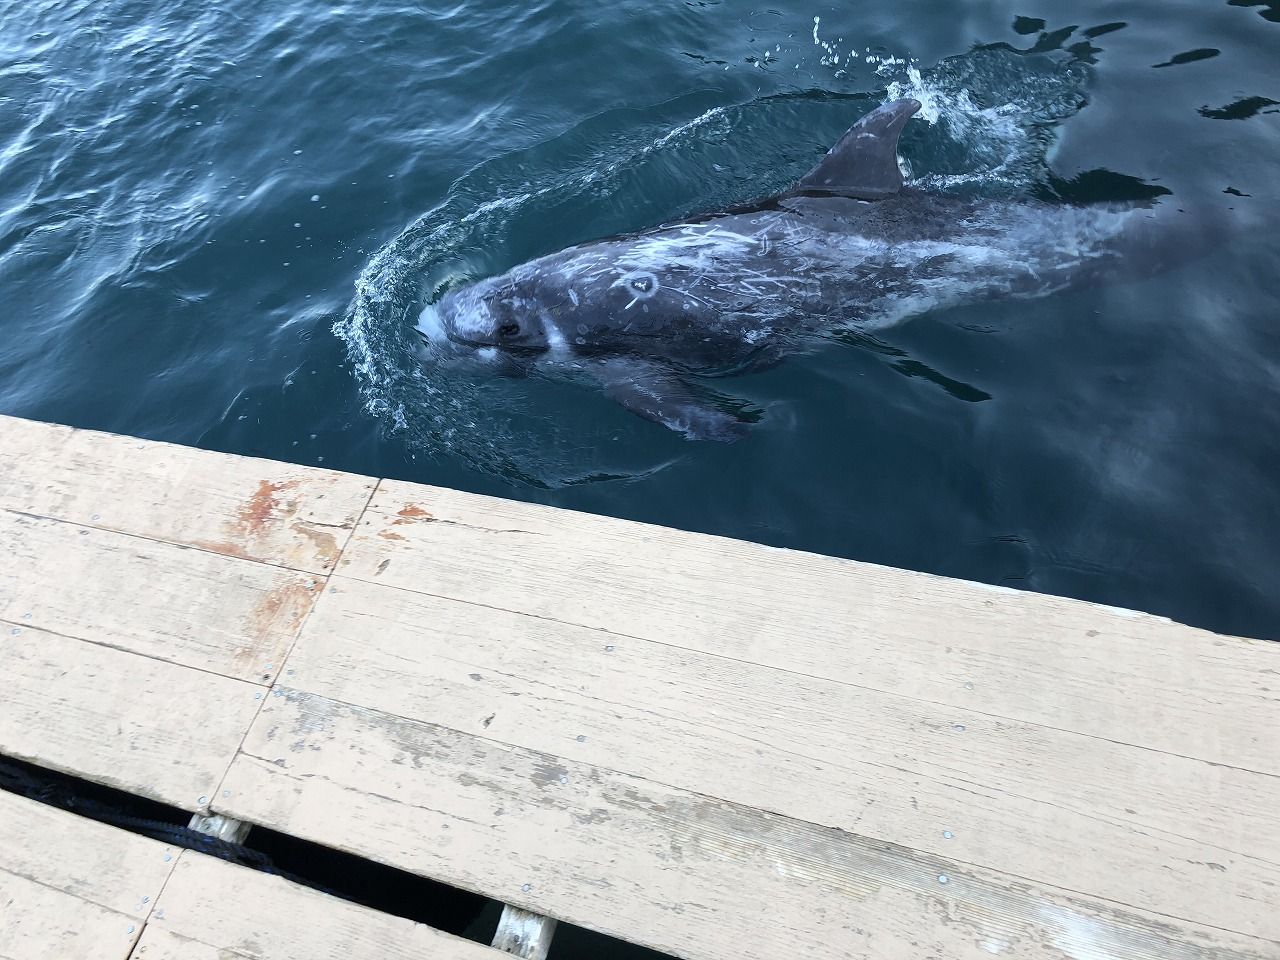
column 40, row 922
column 119, row 871
column 278, row 513
column 1165, row 833
column 152, row 728
column 72, row 888
column 1100, row 671
column 211, row 903
column 215, row 613
column 691, row 875
column 157, row 943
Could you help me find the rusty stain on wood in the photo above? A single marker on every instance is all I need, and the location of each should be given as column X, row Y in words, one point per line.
column 411, row 511
column 688, row 785
column 326, row 543
column 281, row 611
column 224, row 547
column 262, row 505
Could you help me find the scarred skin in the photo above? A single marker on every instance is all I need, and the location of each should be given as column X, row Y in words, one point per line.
column 849, row 247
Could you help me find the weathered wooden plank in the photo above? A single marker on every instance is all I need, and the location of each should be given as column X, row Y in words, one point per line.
column 1096, row 670
column 695, row 876
column 39, row 922
column 119, row 871
column 209, row 903
column 1165, row 833
column 278, row 513
column 215, row 613
column 72, row 888
column 158, row 943
column 146, row 726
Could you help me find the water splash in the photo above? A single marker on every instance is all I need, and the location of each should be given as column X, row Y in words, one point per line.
column 993, row 115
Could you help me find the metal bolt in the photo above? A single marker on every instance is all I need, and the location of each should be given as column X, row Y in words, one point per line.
column 202, row 801
column 564, row 779
column 947, row 834
column 168, row 857
column 84, row 533
column 968, row 686
column 130, row 930
column 96, row 517
column 958, row 726
column 609, row 648
column 526, row 888
column 943, row 878
column 581, row 738
column 146, row 899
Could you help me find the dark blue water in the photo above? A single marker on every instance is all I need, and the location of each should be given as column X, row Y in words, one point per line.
column 219, row 223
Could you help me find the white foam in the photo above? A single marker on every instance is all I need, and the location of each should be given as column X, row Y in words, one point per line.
column 430, row 325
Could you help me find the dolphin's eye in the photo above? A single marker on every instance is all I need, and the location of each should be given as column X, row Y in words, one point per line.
column 509, row 329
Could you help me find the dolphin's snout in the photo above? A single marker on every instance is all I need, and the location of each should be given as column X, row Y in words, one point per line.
column 481, row 317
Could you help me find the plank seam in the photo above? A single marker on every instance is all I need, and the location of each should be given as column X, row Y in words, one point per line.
column 139, row 921
column 155, row 901
column 798, row 673
column 322, row 582
column 180, row 545
column 135, row 653
column 921, row 855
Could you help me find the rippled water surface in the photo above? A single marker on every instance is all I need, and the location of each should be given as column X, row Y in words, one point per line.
column 220, row 224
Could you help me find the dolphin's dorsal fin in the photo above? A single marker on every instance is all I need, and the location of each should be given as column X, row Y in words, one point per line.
column 864, row 162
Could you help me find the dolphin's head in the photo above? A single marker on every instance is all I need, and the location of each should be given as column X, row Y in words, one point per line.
column 493, row 313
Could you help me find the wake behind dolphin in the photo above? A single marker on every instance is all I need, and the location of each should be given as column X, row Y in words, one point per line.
column 651, row 317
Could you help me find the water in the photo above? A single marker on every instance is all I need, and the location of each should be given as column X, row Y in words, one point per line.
column 220, row 223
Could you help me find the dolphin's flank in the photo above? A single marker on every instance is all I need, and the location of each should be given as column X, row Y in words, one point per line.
column 651, row 316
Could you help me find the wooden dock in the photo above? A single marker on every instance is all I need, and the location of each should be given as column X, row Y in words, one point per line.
column 715, row 749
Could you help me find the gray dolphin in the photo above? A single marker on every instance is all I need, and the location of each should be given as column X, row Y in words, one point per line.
column 650, row 315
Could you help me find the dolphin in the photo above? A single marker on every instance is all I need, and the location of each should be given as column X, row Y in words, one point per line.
column 651, row 316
